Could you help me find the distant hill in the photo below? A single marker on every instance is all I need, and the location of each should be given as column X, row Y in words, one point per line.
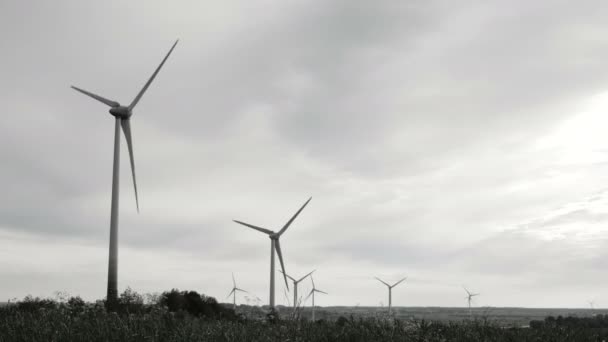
column 507, row 316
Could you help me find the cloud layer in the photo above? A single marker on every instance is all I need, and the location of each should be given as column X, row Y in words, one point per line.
column 453, row 144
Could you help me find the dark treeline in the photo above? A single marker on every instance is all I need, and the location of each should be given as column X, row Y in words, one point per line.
column 599, row 322
column 131, row 302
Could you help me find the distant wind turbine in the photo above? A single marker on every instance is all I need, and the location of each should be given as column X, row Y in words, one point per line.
column 295, row 287
column 233, row 292
column 469, row 297
column 312, row 293
column 275, row 245
column 123, row 119
column 390, row 291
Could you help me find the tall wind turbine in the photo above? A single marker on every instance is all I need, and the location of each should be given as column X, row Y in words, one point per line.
column 295, row 287
column 275, row 245
column 123, row 119
column 469, row 297
column 390, row 291
column 233, row 292
column 312, row 293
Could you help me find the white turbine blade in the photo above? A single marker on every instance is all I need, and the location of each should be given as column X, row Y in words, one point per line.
column 399, row 282
column 288, row 276
column 97, row 97
column 313, row 282
column 321, row 291
column 469, row 293
column 382, row 281
column 277, row 246
column 304, row 277
column 126, row 128
column 310, row 294
column 263, row 230
column 143, row 90
column 293, row 218
column 231, row 292
column 237, row 289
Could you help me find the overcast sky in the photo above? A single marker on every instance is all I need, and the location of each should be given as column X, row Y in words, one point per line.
column 453, row 144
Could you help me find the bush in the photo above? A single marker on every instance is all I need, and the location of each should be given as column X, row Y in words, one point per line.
column 130, row 302
column 32, row 304
column 195, row 304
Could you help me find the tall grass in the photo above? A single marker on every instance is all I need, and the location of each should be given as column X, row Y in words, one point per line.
column 73, row 320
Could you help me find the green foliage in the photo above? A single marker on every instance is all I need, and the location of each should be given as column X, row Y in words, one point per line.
column 195, row 304
column 189, row 316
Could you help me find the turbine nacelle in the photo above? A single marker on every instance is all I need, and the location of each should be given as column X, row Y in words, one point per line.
column 121, row 112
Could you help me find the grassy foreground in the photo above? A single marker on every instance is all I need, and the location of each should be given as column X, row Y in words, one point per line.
column 182, row 317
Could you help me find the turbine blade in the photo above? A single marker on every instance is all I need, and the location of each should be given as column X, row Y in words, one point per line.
column 469, row 293
column 304, row 277
column 126, row 128
column 237, row 289
column 293, row 218
column 230, row 293
column 382, row 281
column 311, row 292
column 313, row 282
column 263, row 230
column 143, row 90
column 321, row 291
column 277, row 246
column 97, row 97
column 397, row 283
column 288, row 276
column 233, row 281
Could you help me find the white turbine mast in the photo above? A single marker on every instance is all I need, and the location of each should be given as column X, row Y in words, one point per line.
column 469, row 298
column 233, row 292
column 123, row 120
column 275, row 245
column 295, row 287
column 312, row 293
column 390, row 291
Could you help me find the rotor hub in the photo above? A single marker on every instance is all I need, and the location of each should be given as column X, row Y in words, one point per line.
column 121, row 112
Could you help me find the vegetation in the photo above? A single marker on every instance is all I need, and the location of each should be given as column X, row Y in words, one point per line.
column 188, row 316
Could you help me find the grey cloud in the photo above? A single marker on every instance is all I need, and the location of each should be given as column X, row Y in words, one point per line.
column 412, row 125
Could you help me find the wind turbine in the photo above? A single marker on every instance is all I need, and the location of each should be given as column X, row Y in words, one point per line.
column 233, row 292
column 469, row 297
column 123, row 119
column 275, row 245
column 390, row 291
column 312, row 293
column 592, row 306
column 295, row 287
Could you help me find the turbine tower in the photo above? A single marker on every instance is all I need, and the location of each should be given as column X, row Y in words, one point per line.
column 312, row 293
column 123, row 119
column 275, row 245
column 469, row 297
column 295, row 287
column 390, row 292
column 233, row 292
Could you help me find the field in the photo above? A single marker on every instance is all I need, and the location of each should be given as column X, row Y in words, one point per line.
column 188, row 316
column 504, row 316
